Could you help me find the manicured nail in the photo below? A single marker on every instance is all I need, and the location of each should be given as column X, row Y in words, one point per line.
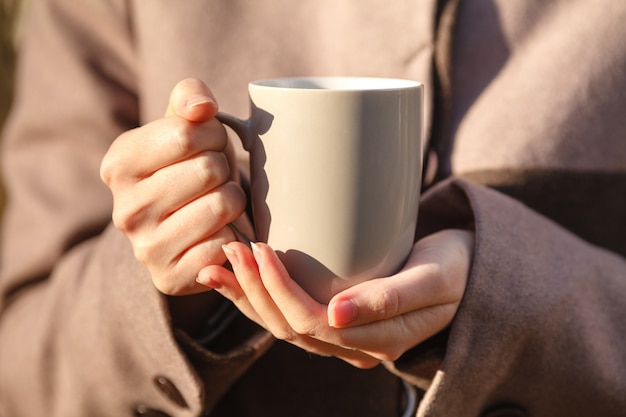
column 256, row 251
column 231, row 255
column 198, row 100
column 342, row 312
column 208, row 281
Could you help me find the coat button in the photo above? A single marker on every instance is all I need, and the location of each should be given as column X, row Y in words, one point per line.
column 168, row 388
column 144, row 411
column 505, row 411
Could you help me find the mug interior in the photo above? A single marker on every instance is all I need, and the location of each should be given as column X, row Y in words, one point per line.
column 337, row 83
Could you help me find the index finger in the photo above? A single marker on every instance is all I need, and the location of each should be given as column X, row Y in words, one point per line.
column 140, row 152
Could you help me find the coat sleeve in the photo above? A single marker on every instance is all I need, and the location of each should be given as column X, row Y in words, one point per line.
column 81, row 326
column 540, row 327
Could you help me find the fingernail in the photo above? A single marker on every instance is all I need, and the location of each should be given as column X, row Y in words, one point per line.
column 231, row 255
column 198, row 100
column 256, row 251
column 208, row 281
column 342, row 313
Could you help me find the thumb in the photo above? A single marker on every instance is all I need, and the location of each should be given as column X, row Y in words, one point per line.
column 191, row 99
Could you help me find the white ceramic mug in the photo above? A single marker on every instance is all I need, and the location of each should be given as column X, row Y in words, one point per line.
column 335, row 168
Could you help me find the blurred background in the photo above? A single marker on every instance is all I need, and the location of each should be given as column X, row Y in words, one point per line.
column 10, row 24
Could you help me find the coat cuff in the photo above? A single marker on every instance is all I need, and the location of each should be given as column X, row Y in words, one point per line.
column 541, row 308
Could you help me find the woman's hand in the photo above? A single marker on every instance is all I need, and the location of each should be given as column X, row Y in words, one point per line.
column 377, row 320
column 173, row 191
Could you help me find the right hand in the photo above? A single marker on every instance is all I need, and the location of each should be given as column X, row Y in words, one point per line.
column 372, row 321
column 174, row 191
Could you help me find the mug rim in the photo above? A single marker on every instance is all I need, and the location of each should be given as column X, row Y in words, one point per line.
column 336, row 83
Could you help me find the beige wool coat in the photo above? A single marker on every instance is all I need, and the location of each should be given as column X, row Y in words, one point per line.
column 526, row 113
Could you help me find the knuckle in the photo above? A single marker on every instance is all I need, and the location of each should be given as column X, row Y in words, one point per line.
column 444, row 278
column 305, row 328
column 387, row 302
column 227, row 203
column 212, row 168
column 164, row 285
column 436, row 273
column 192, row 137
column 389, row 356
column 286, row 334
column 110, row 167
column 145, row 250
column 106, row 170
column 434, row 270
column 125, row 220
column 364, row 363
column 182, row 133
column 114, row 163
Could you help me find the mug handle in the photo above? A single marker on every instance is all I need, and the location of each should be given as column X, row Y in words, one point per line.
column 243, row 130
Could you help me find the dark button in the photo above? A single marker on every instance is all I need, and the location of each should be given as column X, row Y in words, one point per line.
column 168, row 388
column 143, row 411
column 505, row 411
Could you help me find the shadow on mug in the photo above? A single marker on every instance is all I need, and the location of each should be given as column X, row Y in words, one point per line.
column 249, row 132
column 260, row 122
column 320, row 283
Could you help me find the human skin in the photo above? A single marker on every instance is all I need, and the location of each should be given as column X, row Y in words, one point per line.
column 174, row 195
column 173, row 190
column 374, row 321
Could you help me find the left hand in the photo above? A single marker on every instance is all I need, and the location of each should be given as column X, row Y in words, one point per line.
column 374, row 321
